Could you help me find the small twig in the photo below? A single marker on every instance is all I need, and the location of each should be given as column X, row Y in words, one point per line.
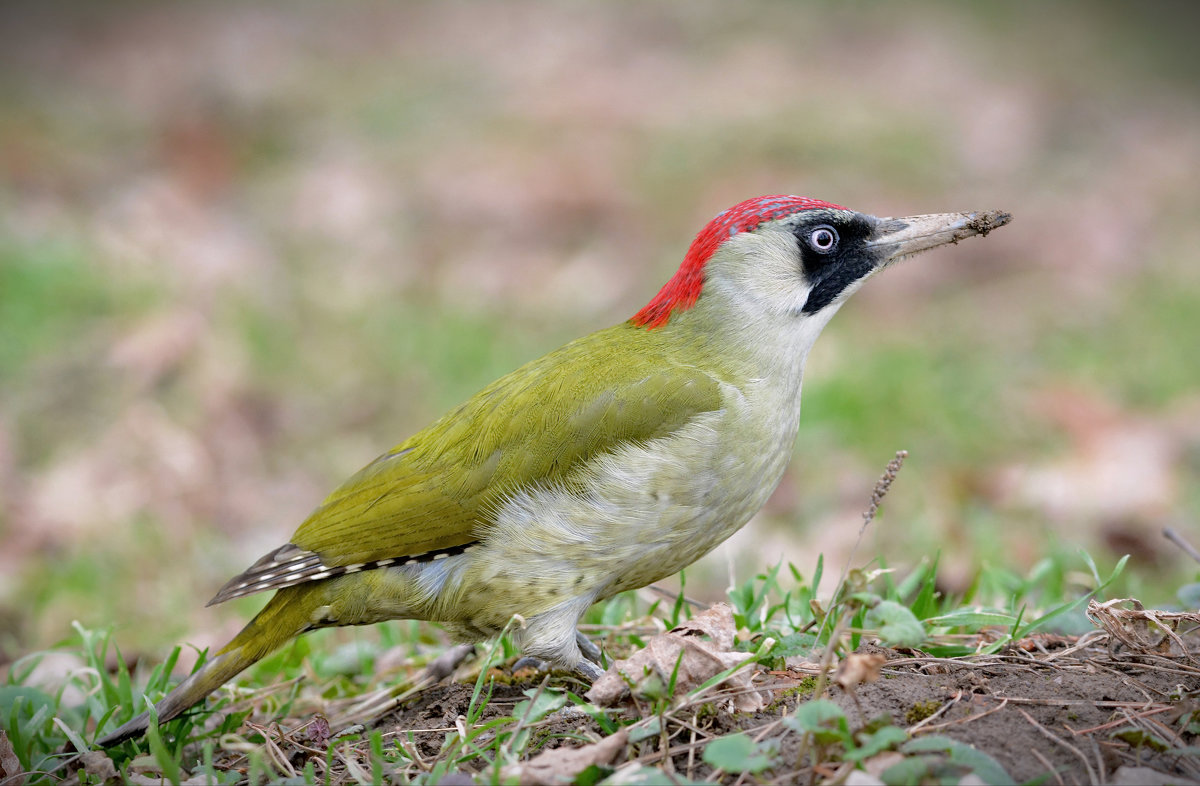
column 659, row 755
column 941, row 711
column 1136, row 705
column 691, row 758
column 413, row 754
column 1086, row 640
column 1131, row 682
column 1140, row 657
column 967, row 719
column 1155, row 726
column 271, row 733
column 1087, row 765
column 380, row 702
column 1172, row 535
column 1099, row 760
column 353, row 766
column 674, row 597
column 1119, row 721
column 1050, row 768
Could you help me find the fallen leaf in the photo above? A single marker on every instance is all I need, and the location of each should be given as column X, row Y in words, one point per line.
column 1141, row 629
column 561, row 765
column 318, row 731
column 99, row 767
column 858, row 668
column 10, row 766
column 685, row 656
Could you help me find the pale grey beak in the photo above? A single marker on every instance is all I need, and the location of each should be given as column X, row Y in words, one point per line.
column 897, row 238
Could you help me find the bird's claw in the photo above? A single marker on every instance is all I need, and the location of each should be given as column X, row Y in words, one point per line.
column 588, row 669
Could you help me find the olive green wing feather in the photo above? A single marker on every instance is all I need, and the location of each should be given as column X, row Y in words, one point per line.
column 437, row 492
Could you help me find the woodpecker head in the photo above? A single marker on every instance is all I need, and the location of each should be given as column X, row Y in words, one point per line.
column 795, row 258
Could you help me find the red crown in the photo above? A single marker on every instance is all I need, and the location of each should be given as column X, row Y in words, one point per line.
column 682, row 291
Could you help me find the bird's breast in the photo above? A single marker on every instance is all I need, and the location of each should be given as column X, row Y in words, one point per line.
column 639, row 513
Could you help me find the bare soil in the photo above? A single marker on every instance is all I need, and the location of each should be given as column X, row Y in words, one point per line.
column 1062, row 713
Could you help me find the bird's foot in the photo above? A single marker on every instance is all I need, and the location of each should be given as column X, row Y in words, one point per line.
column 530, row 662
column 588, row 669
column 585, row 669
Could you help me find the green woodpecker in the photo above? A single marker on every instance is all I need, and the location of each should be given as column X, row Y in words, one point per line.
column 608, row 464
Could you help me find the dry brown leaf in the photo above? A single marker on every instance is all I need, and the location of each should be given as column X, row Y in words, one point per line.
column 802, row 664
column 858, row 668
column 10, row 765
column 698, row 660
column 1141, row 629
column 99, row 767
column 561, row 765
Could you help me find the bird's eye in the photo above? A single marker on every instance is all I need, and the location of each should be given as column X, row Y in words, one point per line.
column 823, row 239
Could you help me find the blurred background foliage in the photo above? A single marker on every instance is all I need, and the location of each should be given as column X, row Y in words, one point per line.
column 244, row 248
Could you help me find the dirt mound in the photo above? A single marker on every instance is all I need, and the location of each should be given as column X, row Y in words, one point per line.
column 1061, row 709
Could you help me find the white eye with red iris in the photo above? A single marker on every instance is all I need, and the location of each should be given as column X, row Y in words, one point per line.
column 823, row 239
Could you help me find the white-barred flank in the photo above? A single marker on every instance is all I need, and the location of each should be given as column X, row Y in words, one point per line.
column 290, row 565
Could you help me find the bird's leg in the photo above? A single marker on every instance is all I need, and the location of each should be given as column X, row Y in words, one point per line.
column 590, row 650
column 553, row 638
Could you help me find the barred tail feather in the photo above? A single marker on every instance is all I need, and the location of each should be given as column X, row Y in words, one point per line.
column 289, row 566
column 287, row 615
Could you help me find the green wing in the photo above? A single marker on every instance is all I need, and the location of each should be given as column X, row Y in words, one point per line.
column 439, row 489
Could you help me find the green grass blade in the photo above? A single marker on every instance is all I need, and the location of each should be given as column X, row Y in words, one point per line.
column 158, row 749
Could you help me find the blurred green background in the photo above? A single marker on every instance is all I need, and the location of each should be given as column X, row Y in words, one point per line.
column 244, row 248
